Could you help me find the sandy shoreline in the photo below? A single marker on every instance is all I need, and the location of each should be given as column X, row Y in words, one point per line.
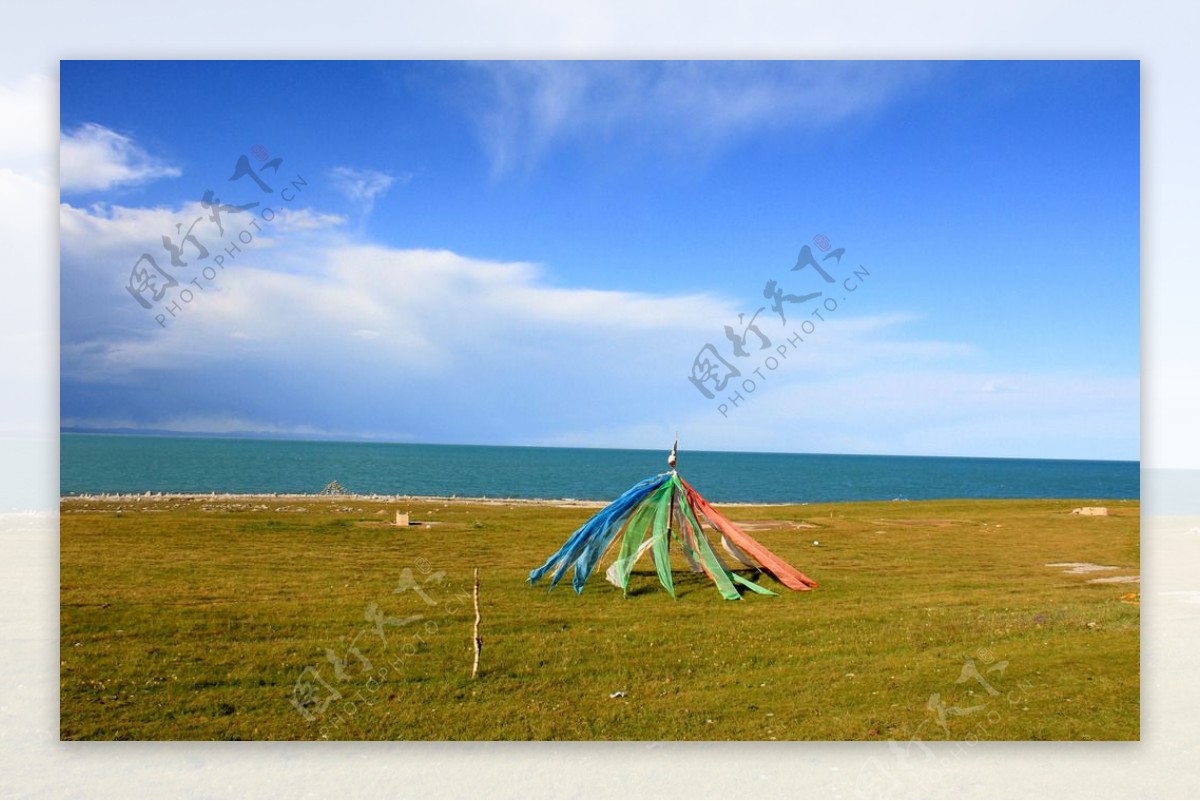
column 560, row 503
column 235, row 497
column 318, row 498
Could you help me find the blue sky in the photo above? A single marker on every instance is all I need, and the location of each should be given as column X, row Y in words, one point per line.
column 535, row 253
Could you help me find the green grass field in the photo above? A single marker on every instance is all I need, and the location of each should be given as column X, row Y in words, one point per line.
column 276, row 618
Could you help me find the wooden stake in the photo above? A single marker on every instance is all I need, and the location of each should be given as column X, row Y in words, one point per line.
column 478, row 639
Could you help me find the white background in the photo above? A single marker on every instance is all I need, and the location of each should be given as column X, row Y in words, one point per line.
column 1163, row 36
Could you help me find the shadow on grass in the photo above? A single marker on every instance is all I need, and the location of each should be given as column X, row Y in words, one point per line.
column 687, row 583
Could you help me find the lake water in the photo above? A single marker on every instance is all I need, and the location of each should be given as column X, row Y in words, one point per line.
column 101, row 463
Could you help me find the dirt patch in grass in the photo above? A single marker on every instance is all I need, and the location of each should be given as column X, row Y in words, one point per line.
column 770, row 525
column 1080, row 568
column 1084, row 568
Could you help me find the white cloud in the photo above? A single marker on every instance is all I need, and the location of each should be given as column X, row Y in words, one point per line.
column 362, row 187
column 289, row 220
column 671, row 105
column 102, row 240
column 430, row 311
column 93, row 158
column 335, row 328
column 308, row 292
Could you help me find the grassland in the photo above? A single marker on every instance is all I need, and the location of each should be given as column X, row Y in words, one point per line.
column 210, row 618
